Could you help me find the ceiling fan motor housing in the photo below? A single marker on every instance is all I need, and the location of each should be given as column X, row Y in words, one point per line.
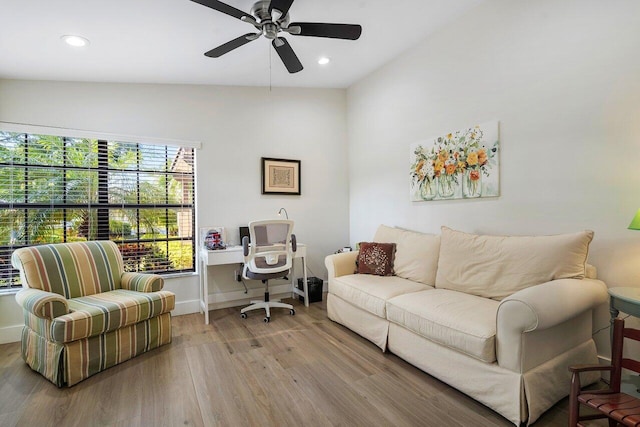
column 260, row 11
column 271, row 17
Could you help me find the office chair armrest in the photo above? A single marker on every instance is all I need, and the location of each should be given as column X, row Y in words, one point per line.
column 43, row 304
column 294, row 243
column 245, row 246
column 142, row 282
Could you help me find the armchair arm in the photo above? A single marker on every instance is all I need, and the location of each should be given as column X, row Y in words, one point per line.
column 142, row 282
column 43, row 304
column 341, row 264
column 542, row 307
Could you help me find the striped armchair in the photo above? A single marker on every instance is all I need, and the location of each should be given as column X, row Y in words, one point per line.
column 83, row 313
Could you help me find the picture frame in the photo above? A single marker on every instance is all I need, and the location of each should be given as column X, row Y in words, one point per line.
column 281, row 176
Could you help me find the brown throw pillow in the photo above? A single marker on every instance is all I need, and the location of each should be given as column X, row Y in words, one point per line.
column 376, row 258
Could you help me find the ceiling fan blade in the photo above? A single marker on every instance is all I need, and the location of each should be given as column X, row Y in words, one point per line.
column 223, row 7
column 280, row 5
column 333, row 31
column 287, row 55
column 233, row 44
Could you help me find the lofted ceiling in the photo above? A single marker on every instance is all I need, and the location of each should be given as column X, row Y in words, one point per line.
column 163, row 41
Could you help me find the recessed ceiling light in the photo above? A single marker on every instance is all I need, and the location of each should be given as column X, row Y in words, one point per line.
column 324, row 60
column 75, row 41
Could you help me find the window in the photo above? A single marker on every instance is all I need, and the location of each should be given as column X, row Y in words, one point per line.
column 61, row 189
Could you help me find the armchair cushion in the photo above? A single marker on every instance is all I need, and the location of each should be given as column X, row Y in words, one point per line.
column 96, row 314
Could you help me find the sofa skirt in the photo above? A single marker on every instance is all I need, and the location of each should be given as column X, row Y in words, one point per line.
column 364, row 323
column 68, row 364
column 519, row 397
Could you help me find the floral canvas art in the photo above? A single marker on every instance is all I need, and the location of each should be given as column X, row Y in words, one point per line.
column 456, row 165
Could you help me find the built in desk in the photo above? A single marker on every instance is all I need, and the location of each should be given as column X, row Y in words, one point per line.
column 234, row 255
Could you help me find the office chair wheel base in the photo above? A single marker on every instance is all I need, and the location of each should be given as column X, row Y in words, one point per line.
column 292, row 312
column 266, row 319
column 243, row 315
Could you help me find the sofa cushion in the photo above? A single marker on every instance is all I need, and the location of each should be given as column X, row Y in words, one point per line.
column 376, row 258
column 460, row 321
column 416, row 253
column 370, row 292
column 108, row 311
column 497, row 266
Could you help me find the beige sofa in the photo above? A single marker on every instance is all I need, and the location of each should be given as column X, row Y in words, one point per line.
column 499, row 318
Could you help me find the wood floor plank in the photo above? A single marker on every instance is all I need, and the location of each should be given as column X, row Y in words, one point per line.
column 295, row 370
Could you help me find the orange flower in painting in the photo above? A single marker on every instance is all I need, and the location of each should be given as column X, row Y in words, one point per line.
column 472, row 159
column 450, row 169
column 482, row 156
column 419, row 165
column 443, row 155
column 439, row 166
column 474, row 175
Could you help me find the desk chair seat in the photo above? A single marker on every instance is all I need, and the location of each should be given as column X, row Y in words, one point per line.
column 269, row 256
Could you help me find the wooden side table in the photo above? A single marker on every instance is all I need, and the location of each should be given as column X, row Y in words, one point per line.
column 624, row 299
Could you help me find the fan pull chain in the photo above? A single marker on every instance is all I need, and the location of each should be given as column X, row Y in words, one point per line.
column 269, row 47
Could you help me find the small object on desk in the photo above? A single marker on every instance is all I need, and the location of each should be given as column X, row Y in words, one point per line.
column 214, row 238
column 344, row 249
column 244, row 231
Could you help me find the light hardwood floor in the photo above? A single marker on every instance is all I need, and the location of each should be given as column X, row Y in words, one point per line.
column 301, row 370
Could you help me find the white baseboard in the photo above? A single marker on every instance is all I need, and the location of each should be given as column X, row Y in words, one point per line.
column 186, row 307
column 10, row 334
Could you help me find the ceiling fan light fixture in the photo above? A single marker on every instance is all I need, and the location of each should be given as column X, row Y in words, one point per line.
column 75, row 41
column 323, row 60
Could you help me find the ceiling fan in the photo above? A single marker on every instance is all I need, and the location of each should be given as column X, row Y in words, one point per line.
column 271, row 18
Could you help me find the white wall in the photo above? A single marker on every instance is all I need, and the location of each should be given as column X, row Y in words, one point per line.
column 563, row 79
column 237, row 126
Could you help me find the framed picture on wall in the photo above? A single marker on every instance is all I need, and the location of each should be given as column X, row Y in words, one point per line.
column 280, row 176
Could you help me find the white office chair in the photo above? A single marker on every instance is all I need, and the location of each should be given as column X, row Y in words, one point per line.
column 269, row 256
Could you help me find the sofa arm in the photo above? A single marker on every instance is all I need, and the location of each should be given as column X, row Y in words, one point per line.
column 43, row 304
column 142, row 282
column 541, row 307
column 341, row 264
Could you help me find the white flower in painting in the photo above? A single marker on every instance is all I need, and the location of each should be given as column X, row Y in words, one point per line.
column 427, row 170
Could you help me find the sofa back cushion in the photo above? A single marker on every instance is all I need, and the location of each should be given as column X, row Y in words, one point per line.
column 497, row 266
column 70, row 269
column 416, row 253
